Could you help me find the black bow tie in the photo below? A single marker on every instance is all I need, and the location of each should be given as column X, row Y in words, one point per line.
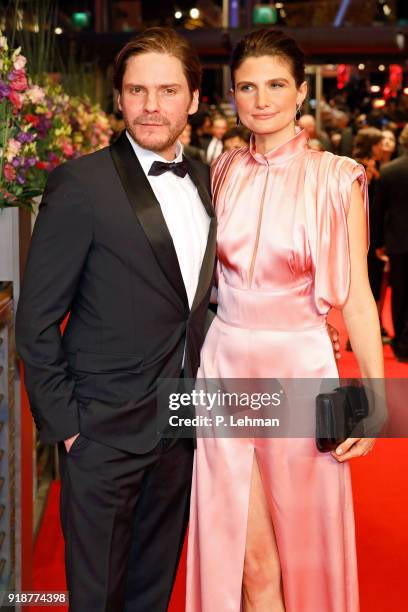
column 179, row 168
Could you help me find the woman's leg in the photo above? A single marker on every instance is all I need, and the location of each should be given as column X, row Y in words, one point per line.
column 262, row 581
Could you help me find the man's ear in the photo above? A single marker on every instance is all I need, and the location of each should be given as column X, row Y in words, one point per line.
column 119, row 103
column 194, row 102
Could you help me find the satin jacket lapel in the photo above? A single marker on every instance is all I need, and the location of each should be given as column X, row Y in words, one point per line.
column 208, row 263
column 148, row 212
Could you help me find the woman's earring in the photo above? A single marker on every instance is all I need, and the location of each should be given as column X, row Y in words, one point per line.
column 298, row 111
column 238, row 123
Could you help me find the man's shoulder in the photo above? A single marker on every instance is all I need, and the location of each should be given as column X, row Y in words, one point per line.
column 202, row 169
column 396, row 166
column 199, row 165
column 84, row 166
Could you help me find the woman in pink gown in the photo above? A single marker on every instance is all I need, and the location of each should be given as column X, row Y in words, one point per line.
column 271, row 524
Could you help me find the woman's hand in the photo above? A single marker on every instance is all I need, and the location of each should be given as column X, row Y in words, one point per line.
column 353, row 447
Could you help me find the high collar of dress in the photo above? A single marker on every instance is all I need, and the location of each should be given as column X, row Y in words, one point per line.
column 282, row 153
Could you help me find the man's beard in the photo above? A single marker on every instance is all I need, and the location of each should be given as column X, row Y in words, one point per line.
column 159, row 142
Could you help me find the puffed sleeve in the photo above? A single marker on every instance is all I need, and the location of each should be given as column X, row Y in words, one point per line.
column 329, row 241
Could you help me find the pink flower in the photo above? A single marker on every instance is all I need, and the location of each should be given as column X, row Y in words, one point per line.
column 13, row 149
column 16, row 99
column 9, row 173
column 67, row 149
column 18, row 80
column 35, row 94
column 19, row 62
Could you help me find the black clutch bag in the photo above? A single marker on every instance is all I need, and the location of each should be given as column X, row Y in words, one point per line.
column 339, row 415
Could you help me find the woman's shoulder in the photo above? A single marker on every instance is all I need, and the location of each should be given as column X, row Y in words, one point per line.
column 337, row 165
column 228, row 160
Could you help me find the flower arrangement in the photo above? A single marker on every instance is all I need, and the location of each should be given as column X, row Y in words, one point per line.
column 67, row 127
column 40, row 127
column 18, row 153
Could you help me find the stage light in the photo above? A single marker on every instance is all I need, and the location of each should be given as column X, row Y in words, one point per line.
column 400, row 40
column 81, row 19
column 361, row 66
column 264, row 14
column 378, row 103
column 58, row 31
column 405, row 91
column 279, row 5
column 194, row 13
column 387, row 10
column 381, row 67
column 375, row 88
column 36, row 28
column 178, row 15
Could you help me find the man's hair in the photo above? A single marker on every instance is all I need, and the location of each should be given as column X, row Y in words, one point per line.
column 403, row 139
column 198, row 119
column 236, row 132
column 160, row 40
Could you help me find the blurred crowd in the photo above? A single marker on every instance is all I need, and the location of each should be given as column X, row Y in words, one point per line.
column 375, row 137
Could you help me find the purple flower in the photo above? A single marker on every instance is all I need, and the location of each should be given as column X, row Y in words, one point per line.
column 24, row 137
column 4, row 89
column 20, row 179
column 16, row 162
column 32, row 161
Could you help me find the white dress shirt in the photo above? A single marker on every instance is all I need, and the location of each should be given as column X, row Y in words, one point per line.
column 184, row 213
column 214, row 149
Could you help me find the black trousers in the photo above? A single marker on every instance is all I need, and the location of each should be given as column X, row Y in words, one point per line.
column 399, row 302
column 124, row 518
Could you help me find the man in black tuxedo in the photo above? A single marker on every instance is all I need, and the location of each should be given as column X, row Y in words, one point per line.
column 391, row 204
column 125, row 243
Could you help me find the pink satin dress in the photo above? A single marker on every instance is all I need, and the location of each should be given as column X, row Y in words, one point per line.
column 283, row 262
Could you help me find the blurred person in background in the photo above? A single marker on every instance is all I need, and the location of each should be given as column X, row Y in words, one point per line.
column 215, row 146
column 235, row 138
column 315, row 144
column 201, row 130
column 191, row 152
column 368, row 151
column 360, row 121
column 392, row 205
column 389, row 145
column 342, row 120
column 308, row 123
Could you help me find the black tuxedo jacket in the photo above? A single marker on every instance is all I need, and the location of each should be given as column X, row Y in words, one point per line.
column 102, row 252
column 391, row 205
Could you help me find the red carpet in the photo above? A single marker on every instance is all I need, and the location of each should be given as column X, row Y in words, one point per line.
column 381, row 506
